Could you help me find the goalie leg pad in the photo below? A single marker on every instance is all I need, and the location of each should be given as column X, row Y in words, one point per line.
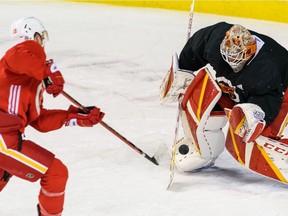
column 203, row 131
column 188, row 158
column 214, row 134
column 198, row 103
column 264, row 156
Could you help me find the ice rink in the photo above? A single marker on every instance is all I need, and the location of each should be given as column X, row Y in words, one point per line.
column 115, row 58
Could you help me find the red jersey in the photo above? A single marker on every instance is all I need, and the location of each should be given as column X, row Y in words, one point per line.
column 22, row 69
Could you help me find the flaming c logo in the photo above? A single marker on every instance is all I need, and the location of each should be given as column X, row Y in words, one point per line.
column 228, row 88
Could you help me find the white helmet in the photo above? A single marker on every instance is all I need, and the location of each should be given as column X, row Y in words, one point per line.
column 26, row 28
column 237, row 47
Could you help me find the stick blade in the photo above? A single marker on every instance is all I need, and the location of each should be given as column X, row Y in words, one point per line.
column 161, row 153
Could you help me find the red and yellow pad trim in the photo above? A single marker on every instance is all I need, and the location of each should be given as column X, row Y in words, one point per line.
column 197, row 99
column 278, row 175
column 254, row 157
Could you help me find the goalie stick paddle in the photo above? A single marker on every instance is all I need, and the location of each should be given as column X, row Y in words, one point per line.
column 155, row 159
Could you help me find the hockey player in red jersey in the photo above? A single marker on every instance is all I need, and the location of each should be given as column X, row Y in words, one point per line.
column 251, row 69
column 22, row 71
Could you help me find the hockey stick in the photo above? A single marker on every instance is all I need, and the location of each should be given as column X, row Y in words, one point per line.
column 172, row 163
column 153, row 159
column 190, row 19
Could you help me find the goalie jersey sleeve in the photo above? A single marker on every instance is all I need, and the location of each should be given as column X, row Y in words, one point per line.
column 262, row 81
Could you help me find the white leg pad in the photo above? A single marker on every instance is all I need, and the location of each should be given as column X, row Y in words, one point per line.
column 188, row 157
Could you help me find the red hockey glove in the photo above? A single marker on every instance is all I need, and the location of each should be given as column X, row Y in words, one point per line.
column 55, row 83
column 77, row 117
column 247, row 121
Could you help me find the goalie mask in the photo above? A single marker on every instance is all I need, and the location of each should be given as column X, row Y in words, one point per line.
column 26, row 29
column 237, row 47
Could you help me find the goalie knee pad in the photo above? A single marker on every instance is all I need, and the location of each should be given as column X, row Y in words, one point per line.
column 214, row 134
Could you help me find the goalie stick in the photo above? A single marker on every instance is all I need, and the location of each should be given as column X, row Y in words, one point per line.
column 190, row 19
column 174, row 150
column 156, row 157
column 172, row 163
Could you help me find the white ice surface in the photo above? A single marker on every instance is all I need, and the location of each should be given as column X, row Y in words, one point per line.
column 116, row 58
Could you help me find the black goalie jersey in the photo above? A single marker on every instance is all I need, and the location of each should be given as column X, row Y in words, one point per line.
column 262, row 81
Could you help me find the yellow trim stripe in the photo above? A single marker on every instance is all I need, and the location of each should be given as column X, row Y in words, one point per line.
column 272, row 165
column 191, row 112
column 234, row 142
column 202, row 96
column 283, row 126
column 235, row 146
column 22, row 158
column 240, row 125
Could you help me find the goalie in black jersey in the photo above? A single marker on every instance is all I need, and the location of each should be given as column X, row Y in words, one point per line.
column 250, row 67
column 251, row 72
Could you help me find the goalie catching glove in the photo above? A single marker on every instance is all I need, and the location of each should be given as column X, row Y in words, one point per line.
column 247, row 121
column 78, row 117
column 175, row 83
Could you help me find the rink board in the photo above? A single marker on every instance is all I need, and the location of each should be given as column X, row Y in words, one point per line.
column 264, row 10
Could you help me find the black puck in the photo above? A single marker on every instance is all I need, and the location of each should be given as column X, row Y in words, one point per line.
column 183, row 149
